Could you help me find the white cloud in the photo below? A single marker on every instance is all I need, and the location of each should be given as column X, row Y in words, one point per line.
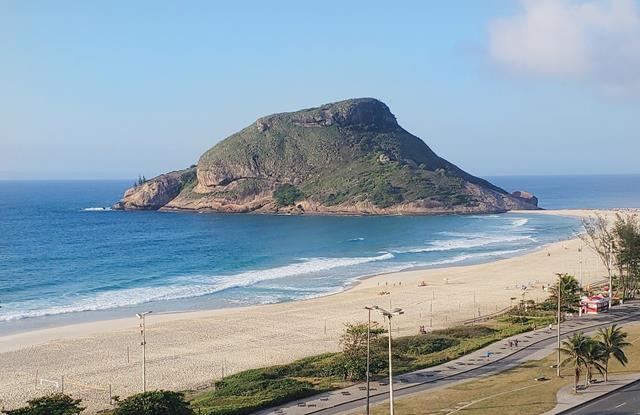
column 596, row 40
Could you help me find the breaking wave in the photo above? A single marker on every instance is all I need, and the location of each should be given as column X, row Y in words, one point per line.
column 183, row 287
column 466, row 241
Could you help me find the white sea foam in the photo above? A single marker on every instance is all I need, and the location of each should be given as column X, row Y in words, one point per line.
column 356, row 239
column 97, row 209
column 185, row 287
column 520, row 222
column 466, row 241
column 466, row 257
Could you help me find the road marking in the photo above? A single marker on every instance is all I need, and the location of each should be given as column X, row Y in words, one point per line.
column 623, row 403
column 494, row 396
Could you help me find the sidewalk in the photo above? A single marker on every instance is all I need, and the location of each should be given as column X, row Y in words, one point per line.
column 567, row 399
column 494, row 358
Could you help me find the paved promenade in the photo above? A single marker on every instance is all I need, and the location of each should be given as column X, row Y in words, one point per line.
column 532, row 345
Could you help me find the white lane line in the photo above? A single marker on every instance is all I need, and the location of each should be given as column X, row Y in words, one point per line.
column 623, row 403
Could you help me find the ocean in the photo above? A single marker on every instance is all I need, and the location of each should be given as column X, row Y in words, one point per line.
column 63, row 258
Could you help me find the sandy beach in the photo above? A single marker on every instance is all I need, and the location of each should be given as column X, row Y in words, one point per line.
column 189, row 350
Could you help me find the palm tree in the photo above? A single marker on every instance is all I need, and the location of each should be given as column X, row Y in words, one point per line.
column 612, row 340
column 594, row 355
column 569, row 292
column 574, row 348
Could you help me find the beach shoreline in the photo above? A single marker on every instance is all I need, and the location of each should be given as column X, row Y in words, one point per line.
column 187, row 349
column 78, row 326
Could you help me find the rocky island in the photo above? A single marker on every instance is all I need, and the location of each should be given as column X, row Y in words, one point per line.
column 348, row 157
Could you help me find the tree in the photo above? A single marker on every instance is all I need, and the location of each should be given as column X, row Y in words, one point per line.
column 626, row 231
column 618, row 246
column 569, row 293
column 612, row 341
column 574, row 349
column 154, row 403
column 141, row 180
column 354, row 350
column 594, row 356
column 599, row 236
column 56, row 404
column 287, row 195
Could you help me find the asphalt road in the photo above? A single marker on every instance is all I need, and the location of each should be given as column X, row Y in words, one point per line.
column 625, row 400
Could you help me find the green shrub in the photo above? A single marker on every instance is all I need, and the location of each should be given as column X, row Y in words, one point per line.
column 385, row 195
column 56, row 404
column 154, row 403
column 466, row 332
column 286, row 195
column 248, row 391
column 419, row 345
column 252, row 390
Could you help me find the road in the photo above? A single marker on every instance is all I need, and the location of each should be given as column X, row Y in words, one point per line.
column 535, row 345
column 625, row 400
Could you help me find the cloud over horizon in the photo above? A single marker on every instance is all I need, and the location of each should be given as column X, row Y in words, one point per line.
column 597, row 41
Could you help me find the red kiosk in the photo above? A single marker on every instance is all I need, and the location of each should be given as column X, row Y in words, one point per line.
column 594, row 305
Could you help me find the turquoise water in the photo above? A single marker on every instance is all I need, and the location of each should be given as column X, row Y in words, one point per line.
column 61, row 259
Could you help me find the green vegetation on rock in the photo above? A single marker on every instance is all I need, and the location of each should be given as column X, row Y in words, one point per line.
column 349, row 156
column 286, row 195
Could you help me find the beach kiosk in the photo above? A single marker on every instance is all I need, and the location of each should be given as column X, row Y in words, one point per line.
column 594, row 305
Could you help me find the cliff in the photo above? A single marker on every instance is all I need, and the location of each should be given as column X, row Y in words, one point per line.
column 349, row 157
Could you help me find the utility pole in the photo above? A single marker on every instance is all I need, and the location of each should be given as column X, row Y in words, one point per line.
column 559, row 293
column 143, row 343
column 609, row 265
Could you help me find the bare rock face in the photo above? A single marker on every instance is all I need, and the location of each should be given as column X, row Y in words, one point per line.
column 157, row 192
column 526, row 196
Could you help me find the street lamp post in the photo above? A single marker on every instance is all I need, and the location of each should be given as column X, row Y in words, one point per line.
column 388, row 315
column 609, row 266
column 559, row 293
column 368, row 353
column 580, row 252
column 143, row 343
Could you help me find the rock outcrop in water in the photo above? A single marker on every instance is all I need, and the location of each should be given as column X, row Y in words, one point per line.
column 349, row 157
column 526, row 196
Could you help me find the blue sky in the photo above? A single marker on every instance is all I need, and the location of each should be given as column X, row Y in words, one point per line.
column 93, row 89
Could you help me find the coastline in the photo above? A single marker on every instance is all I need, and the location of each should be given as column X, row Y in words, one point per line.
column 77, row 323
column 188, row 349
column 14, row 340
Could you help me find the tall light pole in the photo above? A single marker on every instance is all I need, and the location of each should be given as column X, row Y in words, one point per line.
column 388, row 315
column 143, row 343
column 580, row 252
column 559, row 293
column 609, row 266
column 368, row 352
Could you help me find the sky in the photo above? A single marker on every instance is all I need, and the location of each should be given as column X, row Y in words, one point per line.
column 111, row 90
